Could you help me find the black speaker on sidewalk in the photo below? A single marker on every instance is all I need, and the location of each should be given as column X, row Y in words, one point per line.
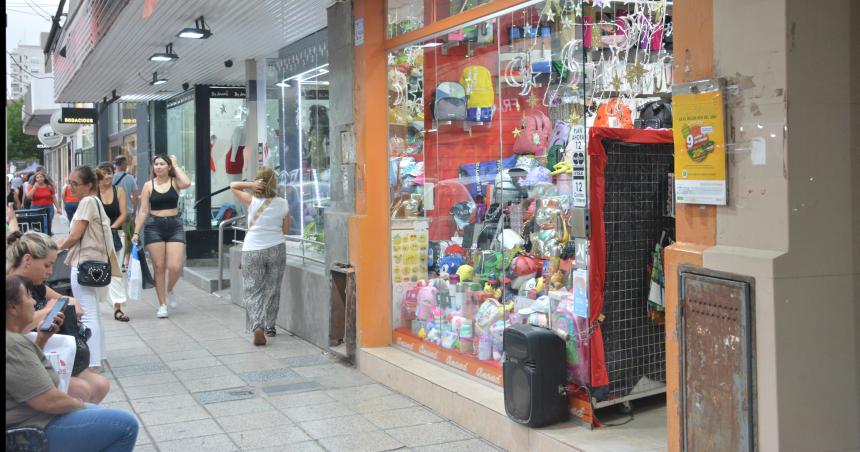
column 535, row 376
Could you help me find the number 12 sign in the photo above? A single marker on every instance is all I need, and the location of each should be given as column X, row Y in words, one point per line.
column 576, row 150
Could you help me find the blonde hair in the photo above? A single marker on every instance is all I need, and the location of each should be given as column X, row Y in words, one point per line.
column 268, row 176
column 34, row 243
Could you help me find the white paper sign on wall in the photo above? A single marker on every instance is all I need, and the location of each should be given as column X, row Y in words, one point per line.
column 576, row 153
column 359, row 31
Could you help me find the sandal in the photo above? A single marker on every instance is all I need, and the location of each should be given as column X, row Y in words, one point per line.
column 271, row 332
column 258, row 337
column 120, row 316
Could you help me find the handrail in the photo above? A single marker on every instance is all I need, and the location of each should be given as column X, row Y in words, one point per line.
column 302, row 240
column 221, row 227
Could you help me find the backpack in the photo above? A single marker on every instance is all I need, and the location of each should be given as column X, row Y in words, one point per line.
column 655, row 115
column 450, row 103
column 535, row 134
column 478, row 83
column 614, row 113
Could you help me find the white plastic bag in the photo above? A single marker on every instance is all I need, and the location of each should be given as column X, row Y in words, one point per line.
column 60, row 351
column 135, row 276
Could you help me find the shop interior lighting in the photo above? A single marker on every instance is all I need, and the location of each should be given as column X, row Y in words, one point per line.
column 198, row 31
column 431, row 44
column 157, row 81
column 306, row 78
column 167, row 55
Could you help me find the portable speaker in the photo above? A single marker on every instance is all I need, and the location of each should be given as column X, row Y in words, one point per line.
column 535, row 376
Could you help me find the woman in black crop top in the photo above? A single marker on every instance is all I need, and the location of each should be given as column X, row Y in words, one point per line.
column 113, row 198
column 163, row 234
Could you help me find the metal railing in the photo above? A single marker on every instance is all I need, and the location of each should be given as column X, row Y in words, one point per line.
column 221, row 227
column 303, row 241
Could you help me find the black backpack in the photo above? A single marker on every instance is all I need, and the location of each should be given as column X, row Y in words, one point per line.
column 654, row 115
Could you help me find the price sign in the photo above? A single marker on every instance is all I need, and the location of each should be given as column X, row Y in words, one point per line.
column 576, row 153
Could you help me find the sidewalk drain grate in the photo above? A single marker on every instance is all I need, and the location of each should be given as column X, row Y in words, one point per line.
column 225, row 395
column 294, row 387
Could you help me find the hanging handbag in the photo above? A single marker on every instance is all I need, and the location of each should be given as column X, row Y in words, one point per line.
column 95, row 273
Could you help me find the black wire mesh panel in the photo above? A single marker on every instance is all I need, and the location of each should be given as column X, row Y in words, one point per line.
column 634, row 344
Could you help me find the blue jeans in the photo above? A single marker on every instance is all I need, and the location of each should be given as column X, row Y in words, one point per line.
column 49, row 218
column 70, row 208
column 92, row 429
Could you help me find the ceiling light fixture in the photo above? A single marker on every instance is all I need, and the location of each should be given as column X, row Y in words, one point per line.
column 167, row 55
column 198, row 31
column 157, row 81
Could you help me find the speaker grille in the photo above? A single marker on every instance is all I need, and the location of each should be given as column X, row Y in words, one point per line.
column 518, row 396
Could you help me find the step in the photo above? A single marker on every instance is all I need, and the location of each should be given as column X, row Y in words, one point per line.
column 206, row 277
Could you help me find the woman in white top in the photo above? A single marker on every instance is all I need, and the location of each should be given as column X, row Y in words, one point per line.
column 264, row 255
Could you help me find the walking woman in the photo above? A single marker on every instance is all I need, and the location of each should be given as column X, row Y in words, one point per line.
column 113, row 199
column 32, row 396
column 89, row 240
column 42, row 195
column 70, row 203
column 163, row 234
column 264, row 254
column 32, row 255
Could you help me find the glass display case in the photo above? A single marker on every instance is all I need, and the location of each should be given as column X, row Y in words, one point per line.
column 180, row 142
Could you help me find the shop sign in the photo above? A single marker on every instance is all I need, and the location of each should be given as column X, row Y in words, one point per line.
column 72, row 115
column 226, row 92
column 48, row 137
column 576, row 149
column 699, row 124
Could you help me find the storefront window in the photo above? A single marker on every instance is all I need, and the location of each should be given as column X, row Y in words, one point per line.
column 180, row 142
column 409, row 15
column 299, row 145
column 227, row 147
column 490, row 213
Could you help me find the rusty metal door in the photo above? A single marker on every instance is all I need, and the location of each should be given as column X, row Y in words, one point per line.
column 717, row 367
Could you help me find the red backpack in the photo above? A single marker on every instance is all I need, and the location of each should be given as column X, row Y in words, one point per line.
column 534, row 138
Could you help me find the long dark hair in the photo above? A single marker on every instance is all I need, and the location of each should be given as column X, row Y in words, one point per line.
column 13, row 288
column 170, row 171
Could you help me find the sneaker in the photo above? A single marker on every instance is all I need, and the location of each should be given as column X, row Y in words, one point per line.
column 171, row 301
column 162, row 312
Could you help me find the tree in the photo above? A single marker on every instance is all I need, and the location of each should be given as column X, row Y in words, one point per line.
column 19, row 146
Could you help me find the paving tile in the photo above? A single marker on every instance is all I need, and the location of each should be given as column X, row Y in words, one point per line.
column 306, row 360
column 345, row 425
column 469, row 445
column 287, row 435
column 361, row 442
column 189, row 353
column 291, row 387
column 163, row 403
column 307, row 446
column 403, row 417
column 195, row 363
column 344, row 381
column 138, row 369
column 250, row 362
column 300, row 399
column 145, row 448
column 136, row 350
column 230, row 346
column 203, row 372
column 142, row 437
column 225, row 395
column 115, row 394
column 146, row 379
column 213, row 443
column 384, row 403
column 317, row 411
column 282, row 375
column 422, row 435
column 271, row 419
column 181, row 430
column 323, row 370
column 118, row 360
column 213, row 383
column 160, row 417
column 361, row 393
column 156, row 390
column 238, row 407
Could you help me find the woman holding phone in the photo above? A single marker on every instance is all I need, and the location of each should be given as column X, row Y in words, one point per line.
column 163, row 234
column 32, row 255
column 264, row 254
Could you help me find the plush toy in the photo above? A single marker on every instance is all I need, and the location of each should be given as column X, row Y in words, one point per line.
column 422, row 334
column 556, row 281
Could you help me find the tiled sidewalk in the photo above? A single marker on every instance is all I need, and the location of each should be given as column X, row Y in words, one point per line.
column 196, row 383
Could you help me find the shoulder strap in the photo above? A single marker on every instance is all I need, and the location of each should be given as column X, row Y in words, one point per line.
column 119, row 180
column 259, row 212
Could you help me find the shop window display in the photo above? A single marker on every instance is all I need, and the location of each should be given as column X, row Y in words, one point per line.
column 180, row 142
column 227, row 152
column 409, row 15
column 488, row 173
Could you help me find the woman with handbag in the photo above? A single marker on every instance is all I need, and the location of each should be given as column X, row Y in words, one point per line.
column 163, row 234
column 92, row 260
column 32, row 255
column 33, row 398
column 264, row 253
column 113, row 198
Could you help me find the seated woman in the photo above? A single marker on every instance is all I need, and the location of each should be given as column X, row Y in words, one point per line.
column 32, row 255
column 32, row 397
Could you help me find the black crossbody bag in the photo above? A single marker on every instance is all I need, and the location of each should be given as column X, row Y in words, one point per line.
column 95, row 273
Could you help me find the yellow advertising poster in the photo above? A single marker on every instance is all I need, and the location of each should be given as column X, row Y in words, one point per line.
column 700, row 151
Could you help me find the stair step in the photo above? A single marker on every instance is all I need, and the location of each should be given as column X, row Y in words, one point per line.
column 206, row 278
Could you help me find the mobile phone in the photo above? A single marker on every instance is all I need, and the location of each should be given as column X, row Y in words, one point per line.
column 49, row 319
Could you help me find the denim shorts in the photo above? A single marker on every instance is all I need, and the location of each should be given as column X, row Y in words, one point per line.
column 163, row 229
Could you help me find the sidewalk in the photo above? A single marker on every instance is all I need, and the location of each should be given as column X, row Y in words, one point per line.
column 195, row 382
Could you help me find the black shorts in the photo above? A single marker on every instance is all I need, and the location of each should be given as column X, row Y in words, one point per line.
column 163, row 229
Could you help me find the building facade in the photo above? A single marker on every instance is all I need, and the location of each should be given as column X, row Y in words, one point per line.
column 28, row 61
